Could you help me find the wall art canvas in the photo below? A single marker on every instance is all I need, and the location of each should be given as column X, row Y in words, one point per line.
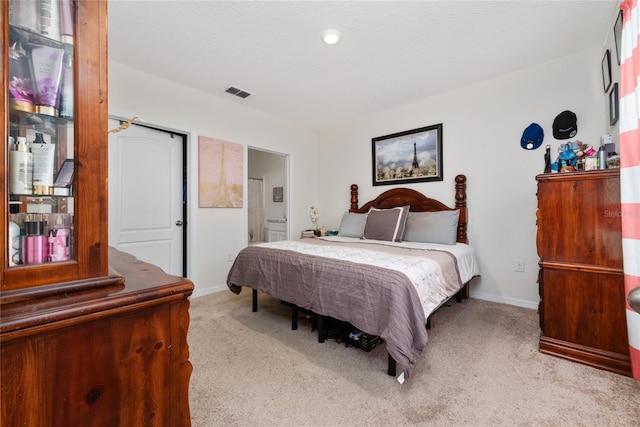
column 220, row 172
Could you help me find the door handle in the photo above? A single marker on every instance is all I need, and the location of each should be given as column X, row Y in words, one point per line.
column 179, row 223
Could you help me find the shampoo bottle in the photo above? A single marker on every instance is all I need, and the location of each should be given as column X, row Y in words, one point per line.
column 21, row 168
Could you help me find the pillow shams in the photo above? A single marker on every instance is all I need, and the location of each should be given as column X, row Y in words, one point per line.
column 352, row 225
column 386, row 224
column 432, row 227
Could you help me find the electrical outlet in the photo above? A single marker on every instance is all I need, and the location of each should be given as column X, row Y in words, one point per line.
column 518, row 265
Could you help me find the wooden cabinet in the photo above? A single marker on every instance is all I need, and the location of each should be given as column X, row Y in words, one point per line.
column 109, row 356
column 86, row 141
column 97, row 338
column 582, row 307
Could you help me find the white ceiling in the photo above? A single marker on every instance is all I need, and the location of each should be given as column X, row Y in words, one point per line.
column 391, row 53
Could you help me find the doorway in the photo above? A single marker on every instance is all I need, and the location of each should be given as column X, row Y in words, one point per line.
column 268, row 196
column 148, row 195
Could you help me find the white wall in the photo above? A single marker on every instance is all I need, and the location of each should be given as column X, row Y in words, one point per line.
column 216, row 233
column 482, row 127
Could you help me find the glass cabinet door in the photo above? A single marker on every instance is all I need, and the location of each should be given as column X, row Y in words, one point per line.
column 54, row 62
column 40, row 142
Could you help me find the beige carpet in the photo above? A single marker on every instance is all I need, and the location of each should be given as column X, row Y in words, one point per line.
column 481, row 367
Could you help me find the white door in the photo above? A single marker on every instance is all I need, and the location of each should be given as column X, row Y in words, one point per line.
column 146, row 195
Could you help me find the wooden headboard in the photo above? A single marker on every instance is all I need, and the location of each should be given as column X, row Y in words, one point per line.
column 418, row 203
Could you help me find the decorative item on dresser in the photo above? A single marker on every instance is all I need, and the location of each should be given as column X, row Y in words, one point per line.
column 395, row 261
column 582, row 311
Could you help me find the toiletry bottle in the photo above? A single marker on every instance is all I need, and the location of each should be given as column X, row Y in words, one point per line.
column 15, row 243
column 59, row 238
column 66, row 21
column 67, row 90
column 21, row 168
column 21, row 83
column 24, row 14
column 602, row 158
column 34, row 244
column 547, row 159
column 47, row 74
column 43, row 161
column 50, row 19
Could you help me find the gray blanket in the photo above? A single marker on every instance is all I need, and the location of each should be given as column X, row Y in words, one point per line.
column 376, row 300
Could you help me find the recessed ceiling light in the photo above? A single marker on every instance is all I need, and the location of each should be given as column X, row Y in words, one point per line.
column 331, row 36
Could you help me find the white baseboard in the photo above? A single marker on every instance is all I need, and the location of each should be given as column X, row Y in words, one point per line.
column 208, row 291
column 487, row 297
column 504, row 300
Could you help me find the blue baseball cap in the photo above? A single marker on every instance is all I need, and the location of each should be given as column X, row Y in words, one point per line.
column 532, row 137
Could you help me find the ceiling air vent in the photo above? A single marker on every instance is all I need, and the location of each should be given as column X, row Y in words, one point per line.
column 237, row 92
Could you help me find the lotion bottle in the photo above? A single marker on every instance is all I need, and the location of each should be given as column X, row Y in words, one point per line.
column 21, row 82
column 43, row 161
column 50, row 19
column 21, row 168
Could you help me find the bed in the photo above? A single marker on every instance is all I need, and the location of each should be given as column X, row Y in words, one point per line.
column 395, row 261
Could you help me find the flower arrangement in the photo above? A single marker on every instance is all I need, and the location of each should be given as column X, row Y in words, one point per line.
column 313, row 215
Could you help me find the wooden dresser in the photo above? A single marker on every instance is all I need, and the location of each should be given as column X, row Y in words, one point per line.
column 113, row 355
column 89, row 336
column 582, row 307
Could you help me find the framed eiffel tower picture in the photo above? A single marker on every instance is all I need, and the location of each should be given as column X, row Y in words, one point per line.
column 409, row 156
column 220, row 174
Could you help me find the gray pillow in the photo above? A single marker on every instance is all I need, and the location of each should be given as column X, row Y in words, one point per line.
column 386, row 224
column 352, row 225
column 432, row 227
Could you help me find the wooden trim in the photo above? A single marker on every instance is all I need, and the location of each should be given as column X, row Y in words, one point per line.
column 418, row 202
column 586, row 268
column 606, row 360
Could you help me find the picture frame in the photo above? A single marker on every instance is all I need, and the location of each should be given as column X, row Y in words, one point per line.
column 614, row 111
column 220, row 173
column 278, row 194
column 606, row 71
column 617, row 35
column 406, row 157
